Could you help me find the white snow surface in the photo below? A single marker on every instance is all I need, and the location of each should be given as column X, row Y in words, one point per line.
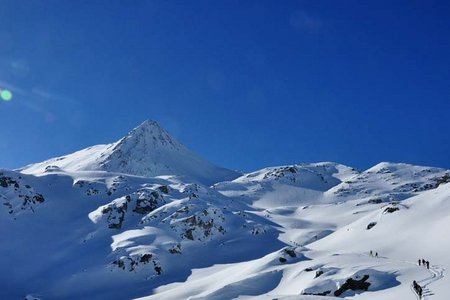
column 144, row 218
column 148, row 150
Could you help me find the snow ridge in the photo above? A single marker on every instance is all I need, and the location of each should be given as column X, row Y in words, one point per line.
column 145, row 217
column 148, row 150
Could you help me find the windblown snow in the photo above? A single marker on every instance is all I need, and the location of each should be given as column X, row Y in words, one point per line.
column 146, row 218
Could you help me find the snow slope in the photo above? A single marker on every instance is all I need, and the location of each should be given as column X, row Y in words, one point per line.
column 89, row 226
column 147, row 150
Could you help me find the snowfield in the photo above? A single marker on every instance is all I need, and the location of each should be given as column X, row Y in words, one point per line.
column 145, row 218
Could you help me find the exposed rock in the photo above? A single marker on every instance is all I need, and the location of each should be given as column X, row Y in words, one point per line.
column 175, row 249
column 290, row 252
column 371, row 224
column 318, row 294
column 132, row 262
column 18, row 196
column 352, row 284
column 146, row 202
column 116, row 214
column 391, row 209
column 164, row 189
column 443, row 179
column 282, row 172
column 200, row 226
column 375, row 201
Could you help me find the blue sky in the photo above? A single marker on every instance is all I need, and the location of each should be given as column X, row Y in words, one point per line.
column 245, row 84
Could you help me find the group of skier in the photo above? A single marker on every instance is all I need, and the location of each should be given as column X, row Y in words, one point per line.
column 371, row 253
column 417, row 288
column 425, row 263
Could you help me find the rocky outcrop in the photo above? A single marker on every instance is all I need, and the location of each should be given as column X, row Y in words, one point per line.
column 371, row 225
column 16, row 195
column 282, row 172
column 141, row 202
column 200, row 226
column 353, row 284
column 133, row 262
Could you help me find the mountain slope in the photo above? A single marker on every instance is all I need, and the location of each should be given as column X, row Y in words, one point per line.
column 148, row 150
column 139, row 219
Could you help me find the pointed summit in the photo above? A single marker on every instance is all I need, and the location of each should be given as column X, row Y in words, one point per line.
column 148, row 127
column 148, row 134
column 148, row 150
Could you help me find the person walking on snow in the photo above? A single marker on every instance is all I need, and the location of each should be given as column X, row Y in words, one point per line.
column 419, row 263
column 428, row 264
column 417, row 288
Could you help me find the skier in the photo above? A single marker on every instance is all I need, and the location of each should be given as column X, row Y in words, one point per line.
column 371, row 253
column 428, row 264
column 417, row 288
column 419, row 263
column 376, row 254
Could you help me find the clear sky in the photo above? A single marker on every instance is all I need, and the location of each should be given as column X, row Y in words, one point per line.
column 245, row 84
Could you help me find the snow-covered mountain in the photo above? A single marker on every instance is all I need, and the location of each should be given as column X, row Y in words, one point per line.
column 146, row 218
column 147, row 150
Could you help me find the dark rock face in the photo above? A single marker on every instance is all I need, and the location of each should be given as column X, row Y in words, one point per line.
column 146, row 202
column 164, row 189
column 200, row 226
column 441, row 180
column 371, row 224
column 8, row 181
column 318, row 273
column 175, row 249
column 318, row 294
column 143, row 201
column 287, row 254
column 283, row 172
column 375, row 201
column 290, row 252
column 18, row 196
column 352, row 284
column 116, row 214
column 391, row 209
column 131, row 263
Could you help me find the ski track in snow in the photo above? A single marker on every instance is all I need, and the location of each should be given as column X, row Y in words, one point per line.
column 436, row 273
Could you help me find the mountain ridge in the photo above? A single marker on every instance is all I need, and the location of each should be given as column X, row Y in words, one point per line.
column 82, row 227
column 147, row 150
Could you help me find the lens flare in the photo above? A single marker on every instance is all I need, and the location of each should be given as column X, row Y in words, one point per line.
column 6, row 95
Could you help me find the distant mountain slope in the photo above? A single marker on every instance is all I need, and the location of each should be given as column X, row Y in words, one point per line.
column 148, row 150
column 139, row 218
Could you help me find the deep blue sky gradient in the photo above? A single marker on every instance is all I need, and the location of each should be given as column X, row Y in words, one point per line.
column 245, row 84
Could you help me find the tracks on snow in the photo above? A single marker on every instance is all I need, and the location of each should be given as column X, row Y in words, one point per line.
column 436, row 273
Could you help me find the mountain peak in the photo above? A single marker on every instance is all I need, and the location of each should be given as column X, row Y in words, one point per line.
column 148, row 125
column 148, row 134
column 147, row 150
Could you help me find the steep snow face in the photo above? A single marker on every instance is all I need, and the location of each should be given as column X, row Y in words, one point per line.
column 386, row 182
column 148, row 150
column 292, row 185
column 316, row 176
column 82, row 227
